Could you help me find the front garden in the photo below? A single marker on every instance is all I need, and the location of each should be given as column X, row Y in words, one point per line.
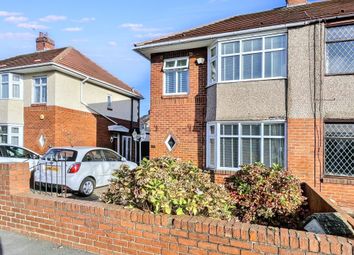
column 255, row 194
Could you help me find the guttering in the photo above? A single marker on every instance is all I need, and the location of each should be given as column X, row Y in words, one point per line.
column 141, row 46
column 87, row 105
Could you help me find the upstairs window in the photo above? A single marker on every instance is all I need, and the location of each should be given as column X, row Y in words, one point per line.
column 40, row 90
column 340, row 50
column 249, row 59
column 176, row 76
column 10, row 86
column 109, row 103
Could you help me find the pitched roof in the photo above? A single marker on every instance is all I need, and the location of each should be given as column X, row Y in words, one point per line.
column 68, row 57
column 279, row 16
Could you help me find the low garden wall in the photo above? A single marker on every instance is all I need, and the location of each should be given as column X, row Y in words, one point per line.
column 110, row 229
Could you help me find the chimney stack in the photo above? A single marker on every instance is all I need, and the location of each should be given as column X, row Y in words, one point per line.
column 43, row 42
column 295, row 2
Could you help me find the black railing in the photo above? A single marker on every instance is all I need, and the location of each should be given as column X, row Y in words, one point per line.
column 50, row 178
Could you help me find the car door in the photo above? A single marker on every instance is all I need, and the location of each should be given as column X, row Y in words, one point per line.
column 114, row 162
column 19, row 154
column 94, row 165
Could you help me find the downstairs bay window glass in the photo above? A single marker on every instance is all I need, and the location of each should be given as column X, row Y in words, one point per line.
column 10, row 134
column 247, row 143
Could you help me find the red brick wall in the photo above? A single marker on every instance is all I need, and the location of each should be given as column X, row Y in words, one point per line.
column 111, row 229
column 66, row 127
column 181, row 116
column 301, row 162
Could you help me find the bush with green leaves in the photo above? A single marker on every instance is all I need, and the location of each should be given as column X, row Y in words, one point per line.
column 171, row 186
column 266, row 195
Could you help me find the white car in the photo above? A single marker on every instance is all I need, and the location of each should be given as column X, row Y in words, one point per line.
column 80, row 169
column 18, row 154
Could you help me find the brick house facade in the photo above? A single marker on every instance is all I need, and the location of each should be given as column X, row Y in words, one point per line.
column 65, row 99
column 273, row 87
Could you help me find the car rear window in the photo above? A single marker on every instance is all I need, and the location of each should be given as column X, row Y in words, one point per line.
column 60, row 154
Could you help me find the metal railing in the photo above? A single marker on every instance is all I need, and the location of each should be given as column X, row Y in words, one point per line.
column 50, row 178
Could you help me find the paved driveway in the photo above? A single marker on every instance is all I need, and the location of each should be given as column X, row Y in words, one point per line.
column 16, row 244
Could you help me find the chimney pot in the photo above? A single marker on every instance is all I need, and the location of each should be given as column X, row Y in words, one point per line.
column 43, row 42
column 295, row 2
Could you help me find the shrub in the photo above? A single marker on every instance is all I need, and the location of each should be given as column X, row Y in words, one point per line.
column 264, row 195
column 169, row 186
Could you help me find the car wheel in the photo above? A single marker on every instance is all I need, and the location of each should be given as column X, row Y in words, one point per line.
column 87, row 187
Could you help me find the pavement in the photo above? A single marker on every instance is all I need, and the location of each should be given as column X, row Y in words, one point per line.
column 16, row 244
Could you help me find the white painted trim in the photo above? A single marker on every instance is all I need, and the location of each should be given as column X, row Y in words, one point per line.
column 166, row 142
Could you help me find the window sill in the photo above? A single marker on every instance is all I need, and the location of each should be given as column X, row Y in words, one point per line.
column 38, row 104
column 339, row 74
column 338, row 180
column 223, row 172
column 173, row 96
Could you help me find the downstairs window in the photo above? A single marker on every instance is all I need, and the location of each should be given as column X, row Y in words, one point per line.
column 235, row 144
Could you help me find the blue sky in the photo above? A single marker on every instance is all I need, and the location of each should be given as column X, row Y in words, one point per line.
column 106, row 30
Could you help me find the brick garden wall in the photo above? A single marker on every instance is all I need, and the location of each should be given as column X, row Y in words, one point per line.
column 110, row 229
column 180, row 116
column 65, row 127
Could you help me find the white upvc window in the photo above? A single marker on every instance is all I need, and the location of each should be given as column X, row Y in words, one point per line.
column 11, row 134
column 40, row 90
column 109, row 103
column 252, row 58
column 11, row 86
column 232, row 144
column 176, row 76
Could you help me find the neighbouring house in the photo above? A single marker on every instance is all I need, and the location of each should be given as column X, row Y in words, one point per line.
column 59, row 97
column 145, row 127
column 274, row 87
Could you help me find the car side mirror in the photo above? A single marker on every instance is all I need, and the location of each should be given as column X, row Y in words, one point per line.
column 123, row 159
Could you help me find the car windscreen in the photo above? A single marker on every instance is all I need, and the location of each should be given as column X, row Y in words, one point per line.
column 60, row 155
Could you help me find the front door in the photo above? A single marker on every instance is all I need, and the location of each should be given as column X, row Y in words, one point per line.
column 127, row 147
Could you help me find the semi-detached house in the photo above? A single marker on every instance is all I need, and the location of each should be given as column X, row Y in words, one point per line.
column 59, row 97
column 273, row 87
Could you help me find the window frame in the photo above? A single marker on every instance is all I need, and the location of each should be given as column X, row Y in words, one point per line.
column 218, row 137
column 327, row 73
column 176, row 69
column 10, row 134
column 241, row 54
column 41, row 89
column 11, row 84
column 109, row 103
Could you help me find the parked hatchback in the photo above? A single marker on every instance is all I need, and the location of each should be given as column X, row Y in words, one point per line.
column 80, row 169
column 12, row 153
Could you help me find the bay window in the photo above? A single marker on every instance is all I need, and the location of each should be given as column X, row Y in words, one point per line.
column 262, row 57
column 176, row 76
column 11, row 134
column 10, row 86
column 230, row 145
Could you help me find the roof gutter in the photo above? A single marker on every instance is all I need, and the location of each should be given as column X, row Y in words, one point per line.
column 142, row 46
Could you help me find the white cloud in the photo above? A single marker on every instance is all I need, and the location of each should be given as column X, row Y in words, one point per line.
column 16, row 36
column 53, row 18
column 112, row 43
column 16, row 19
column 7, row 14
column 86, row 20
column 72, row 29
column 149, row 35
column 31, row 25
column 136, row 27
